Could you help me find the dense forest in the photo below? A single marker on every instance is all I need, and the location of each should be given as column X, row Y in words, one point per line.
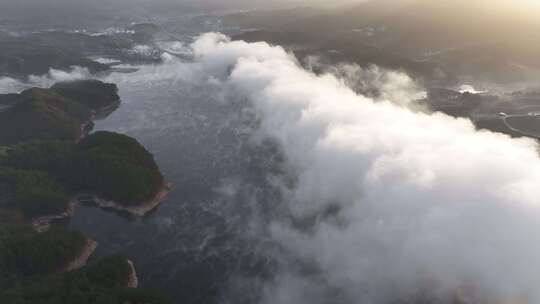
column 63, row 112
column 102, row 283
column 33, row 193
column 46, row 157
column 93, row 94
column 116, row 167
column 37, row 178
column 26, row 253
column 40, row 114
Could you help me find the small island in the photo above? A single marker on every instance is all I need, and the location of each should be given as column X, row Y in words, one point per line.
column 63, row 112
column 98, row 96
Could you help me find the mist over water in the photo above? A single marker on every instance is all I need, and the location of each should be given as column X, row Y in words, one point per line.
column 388, row 203
column 291, row 187
column 321, row 195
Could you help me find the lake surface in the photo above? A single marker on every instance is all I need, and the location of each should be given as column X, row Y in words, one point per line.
column 205, row 243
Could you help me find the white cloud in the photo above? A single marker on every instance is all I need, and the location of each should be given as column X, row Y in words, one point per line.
column 11, row 85
column 392, row 201
column 400, row 202
column 47, row 80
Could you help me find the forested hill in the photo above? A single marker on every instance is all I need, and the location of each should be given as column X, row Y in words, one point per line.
column 46, row 158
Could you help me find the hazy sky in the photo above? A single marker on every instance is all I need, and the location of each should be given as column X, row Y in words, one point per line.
column 63, row 10
column 224, row 4
column 197, row 3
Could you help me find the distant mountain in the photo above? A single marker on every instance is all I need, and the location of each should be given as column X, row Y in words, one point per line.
column 426, row 23
column 348, row 18
column 271, row 19
column 23, row 57
column 488, row 41
column 35, row 53
column 442, row 24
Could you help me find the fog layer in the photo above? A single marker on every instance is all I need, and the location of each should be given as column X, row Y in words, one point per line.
column 386, row 202
column 389, row 203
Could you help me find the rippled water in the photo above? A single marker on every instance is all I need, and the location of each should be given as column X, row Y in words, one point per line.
column 206, row 242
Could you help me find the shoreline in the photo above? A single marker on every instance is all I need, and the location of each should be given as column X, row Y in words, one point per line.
column 138, row 210
column 87, row 126
column 133, row 280
column 105, row 111
column 43, row 223
column 81, row 261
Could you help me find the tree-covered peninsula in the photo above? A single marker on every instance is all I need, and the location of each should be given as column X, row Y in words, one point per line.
column 105, row 282
column 63, row 112
column 47, row 159
column 112, row 166
column 25, row 253
column 41, row 114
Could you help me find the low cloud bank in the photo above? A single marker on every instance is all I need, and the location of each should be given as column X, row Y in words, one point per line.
column 54, row 76
column 11, row 85
column 389, row 203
